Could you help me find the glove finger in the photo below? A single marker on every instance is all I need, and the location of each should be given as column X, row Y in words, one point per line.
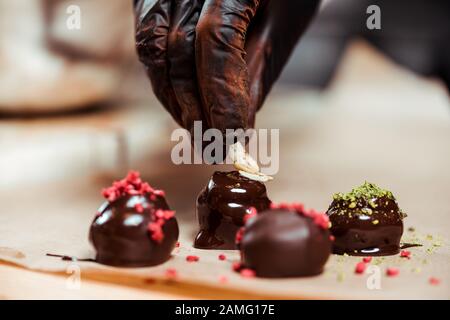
column 181, row 55
column 221, row 69
column 152, row 29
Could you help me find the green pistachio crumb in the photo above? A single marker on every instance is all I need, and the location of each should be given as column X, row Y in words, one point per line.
column 437, row 243
column 366, row 191
column 377, row 261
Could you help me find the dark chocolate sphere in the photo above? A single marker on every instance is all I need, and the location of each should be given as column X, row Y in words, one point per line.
column 134, row 230
column 222, row 205
column 282, row 243
column 366, row 221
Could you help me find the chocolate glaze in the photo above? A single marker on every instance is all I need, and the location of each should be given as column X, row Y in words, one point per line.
column 367, row 229
column 222, row 205
column 409, row 245
column 121, row 237
column 69, row 258
column 282, row 243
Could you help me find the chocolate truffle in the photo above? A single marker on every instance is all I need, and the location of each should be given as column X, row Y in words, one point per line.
column 135, row 227
column 286, row 241
column 222, row 206
column 366, row 221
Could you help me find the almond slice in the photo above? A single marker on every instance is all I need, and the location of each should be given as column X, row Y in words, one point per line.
column 241, row 160
column 256, row 176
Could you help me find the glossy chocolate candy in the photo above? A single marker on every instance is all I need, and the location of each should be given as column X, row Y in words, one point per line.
column 286, row 243
column 135, row 228
column 222, row 205
column 366, row 221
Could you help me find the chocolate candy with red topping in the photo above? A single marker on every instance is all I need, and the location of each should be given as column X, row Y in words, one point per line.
column 286, row 241
column 135, row 227
column 222, row 207
column 366, row 221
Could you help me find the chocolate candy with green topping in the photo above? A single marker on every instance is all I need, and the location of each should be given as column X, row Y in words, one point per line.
column 366, row 221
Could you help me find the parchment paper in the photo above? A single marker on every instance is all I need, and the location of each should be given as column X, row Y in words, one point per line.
column 359, row 131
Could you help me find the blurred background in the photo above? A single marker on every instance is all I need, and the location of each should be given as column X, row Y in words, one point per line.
column 77, row 103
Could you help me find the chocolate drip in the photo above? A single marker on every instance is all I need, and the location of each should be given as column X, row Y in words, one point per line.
column 222, row 205
column 69, row 258
column 409, row 245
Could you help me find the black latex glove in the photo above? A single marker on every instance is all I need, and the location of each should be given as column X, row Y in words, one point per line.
column 216, row 60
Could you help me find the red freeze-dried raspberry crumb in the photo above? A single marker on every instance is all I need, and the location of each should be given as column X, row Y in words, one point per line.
column 177, row 244
column 164, row 214
column 192, row 258
column 171, row 273
column 156, row 231
column 223, row 279
column 392, row 272
column 367, row 259
column 405, row 254
column 155, row 227
column 360, row 267
column 252, row 212
column 160, row 193
column 247, row 273
column 332, row 238
column 222, row 257
column 139, row 208
column 146, row 188
column 434, row 281
column 284, row 205
column 236, row 266
column 169, row 214
column 319, row 218
column 131, row 185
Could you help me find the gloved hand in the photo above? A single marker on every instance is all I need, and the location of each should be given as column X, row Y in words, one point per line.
column 216, row 60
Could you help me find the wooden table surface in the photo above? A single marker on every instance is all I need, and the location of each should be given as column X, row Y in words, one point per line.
column 19, row 283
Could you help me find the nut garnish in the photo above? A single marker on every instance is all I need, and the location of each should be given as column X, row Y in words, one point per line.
column 256, row 176
column 242, row 160
column 245, row 164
